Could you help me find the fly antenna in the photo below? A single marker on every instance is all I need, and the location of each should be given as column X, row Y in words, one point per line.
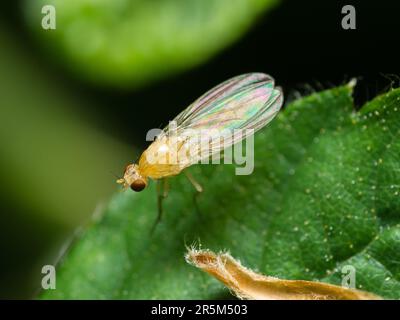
column 119, row 179
column 115, row 175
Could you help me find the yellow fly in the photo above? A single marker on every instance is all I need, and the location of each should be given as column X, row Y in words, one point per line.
column 218, row 119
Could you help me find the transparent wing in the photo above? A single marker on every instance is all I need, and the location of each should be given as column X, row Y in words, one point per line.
column 225, row 115
column 227, row 96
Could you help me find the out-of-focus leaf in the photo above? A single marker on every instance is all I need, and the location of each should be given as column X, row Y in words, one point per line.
column 53, row 162
column 130, row 42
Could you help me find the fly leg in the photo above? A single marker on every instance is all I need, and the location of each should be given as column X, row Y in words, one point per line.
column 162, row 193
column 199, row 190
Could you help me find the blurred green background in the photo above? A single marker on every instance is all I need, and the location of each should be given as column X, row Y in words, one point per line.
column 76, row 102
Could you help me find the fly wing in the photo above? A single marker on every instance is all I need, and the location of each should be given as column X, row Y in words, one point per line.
column 214, row 101
column 213, row 122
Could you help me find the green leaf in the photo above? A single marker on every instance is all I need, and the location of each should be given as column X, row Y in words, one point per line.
column 324, row 194
column 128, row 43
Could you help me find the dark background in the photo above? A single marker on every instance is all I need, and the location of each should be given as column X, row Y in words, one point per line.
column 312, row 52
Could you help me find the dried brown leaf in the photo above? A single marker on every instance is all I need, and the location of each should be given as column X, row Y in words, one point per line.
column 247, row 284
